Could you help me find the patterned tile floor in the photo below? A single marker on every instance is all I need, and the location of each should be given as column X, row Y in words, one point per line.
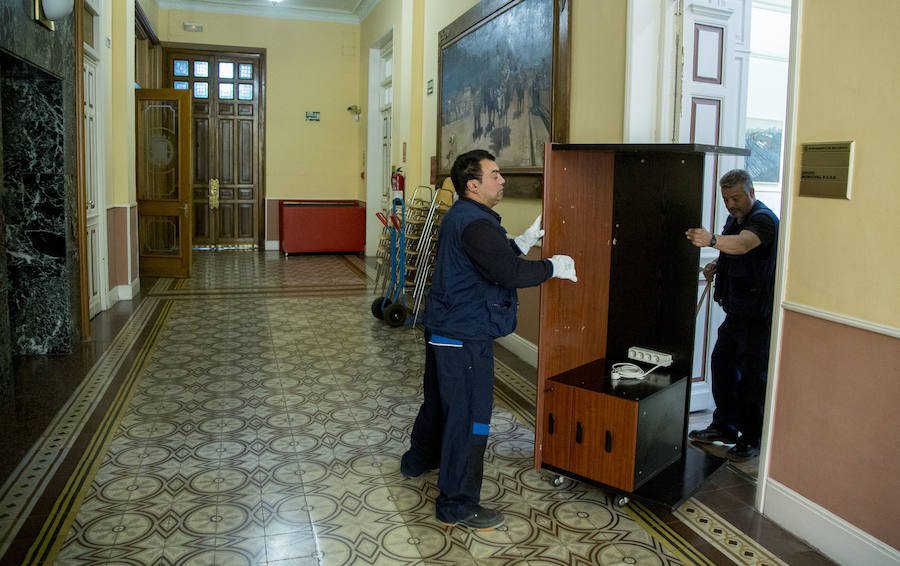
column 263, row 422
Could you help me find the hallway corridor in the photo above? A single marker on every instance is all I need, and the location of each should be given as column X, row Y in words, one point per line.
column 256, row 414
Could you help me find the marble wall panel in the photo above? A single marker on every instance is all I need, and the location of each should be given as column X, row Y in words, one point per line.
column 39, row 269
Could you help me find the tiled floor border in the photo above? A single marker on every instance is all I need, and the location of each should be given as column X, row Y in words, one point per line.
column 724, row 536
column 56, row 526
column 28, row 481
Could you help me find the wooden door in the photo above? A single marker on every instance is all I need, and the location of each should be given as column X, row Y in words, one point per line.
column 559, row 426
column 94, row 224
column 604, row 447
column 163, row 131
column 226, row 93
column 714, row 55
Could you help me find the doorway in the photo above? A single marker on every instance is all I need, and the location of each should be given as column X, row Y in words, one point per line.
column 227, row 89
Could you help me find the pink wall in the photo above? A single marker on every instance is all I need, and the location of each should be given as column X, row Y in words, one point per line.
column 836, row 422
column 117, row 243
column 271, row 219
column 117, row 253
column 133, row 241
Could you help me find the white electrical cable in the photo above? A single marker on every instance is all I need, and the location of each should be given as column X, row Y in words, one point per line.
column 625, row 370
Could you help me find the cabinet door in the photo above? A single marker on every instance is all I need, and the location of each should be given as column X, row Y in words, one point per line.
column 604, row 439
column 559, row 428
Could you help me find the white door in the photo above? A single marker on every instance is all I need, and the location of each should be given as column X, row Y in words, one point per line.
column 711, row 85
column 95, row 225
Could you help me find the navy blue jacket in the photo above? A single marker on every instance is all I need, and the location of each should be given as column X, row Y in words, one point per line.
column 463, row 303
column 745, row 284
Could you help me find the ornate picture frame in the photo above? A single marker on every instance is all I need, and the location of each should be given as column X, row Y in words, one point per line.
column 503, row 78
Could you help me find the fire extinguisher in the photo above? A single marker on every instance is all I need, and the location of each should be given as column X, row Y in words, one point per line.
column 397, row 184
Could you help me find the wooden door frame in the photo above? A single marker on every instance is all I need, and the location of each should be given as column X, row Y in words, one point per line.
column 81, row 236
column 261, row 52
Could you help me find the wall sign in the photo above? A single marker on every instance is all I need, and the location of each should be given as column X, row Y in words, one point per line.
column 312, row 116
column 826, row 169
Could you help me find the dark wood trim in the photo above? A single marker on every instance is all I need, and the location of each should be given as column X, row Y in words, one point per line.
column 225, row 50
column 81, row 238
column 562, row 70
column 142, row 26
column 520, row 182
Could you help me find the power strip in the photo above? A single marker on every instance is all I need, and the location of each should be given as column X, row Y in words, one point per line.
column 649, row 356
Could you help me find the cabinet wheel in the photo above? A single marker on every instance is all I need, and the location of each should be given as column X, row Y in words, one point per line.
column 395, row 315
column 621, row 500
column 377, row 309
column 557, row 481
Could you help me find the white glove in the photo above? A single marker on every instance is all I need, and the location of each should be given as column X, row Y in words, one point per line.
column 563, row 267
column 530, row 236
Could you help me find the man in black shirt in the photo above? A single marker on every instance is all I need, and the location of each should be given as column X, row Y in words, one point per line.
column 471, row 302
column 745, row 281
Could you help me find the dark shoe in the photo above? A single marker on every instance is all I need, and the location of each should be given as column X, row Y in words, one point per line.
column 480, row 519
column 711, row 435
column 742, row 451
column 408, row 470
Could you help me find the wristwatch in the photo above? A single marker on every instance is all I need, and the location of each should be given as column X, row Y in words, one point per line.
column 712, row 241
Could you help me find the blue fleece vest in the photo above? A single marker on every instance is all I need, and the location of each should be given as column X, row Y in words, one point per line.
column 461, row 303
column 745, row 284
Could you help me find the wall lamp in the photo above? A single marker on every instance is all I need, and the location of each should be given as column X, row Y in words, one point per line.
column 355, row 110
column 47, row 11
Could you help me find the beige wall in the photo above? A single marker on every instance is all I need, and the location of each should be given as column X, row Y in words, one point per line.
column 834, row 415
column 119, row 117
column 843, row 252
column 310, row 66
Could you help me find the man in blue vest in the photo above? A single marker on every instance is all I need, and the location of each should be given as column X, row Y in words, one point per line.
column 472, row 301
column 744, row 287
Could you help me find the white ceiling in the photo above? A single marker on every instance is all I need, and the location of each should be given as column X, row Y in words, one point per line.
column 343, row 11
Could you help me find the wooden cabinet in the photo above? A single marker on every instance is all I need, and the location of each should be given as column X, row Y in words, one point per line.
column 621, row 212
column 619, row 433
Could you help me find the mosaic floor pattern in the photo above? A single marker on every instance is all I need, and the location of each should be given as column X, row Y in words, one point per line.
column 269, row 431
column 257, row 416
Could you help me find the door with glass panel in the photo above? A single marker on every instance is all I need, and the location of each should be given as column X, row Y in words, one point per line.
column 163, row 122
column 226, row 109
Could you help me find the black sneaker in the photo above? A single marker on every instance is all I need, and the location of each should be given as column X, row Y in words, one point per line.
column 480, row 519
column 742, row 451
column 710, row 435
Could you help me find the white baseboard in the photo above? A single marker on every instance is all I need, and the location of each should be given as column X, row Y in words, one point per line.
column 124, row 292
column 272, row 245
column 701, row 396
column 520, row 347
column 836, row 538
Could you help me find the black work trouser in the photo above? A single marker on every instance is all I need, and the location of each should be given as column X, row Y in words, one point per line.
column 739, row 365
column 451, row 429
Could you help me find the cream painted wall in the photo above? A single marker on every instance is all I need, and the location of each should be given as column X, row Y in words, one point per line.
column 598, row 71
column 151, row 8
column 842, row 253
column 119, row 118
column 310, row 66
column 399, row 17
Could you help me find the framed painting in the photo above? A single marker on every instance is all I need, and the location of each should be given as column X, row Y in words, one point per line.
column 504, row 86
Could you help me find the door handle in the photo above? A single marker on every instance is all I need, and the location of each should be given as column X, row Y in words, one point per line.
column 187, row 210
column 213, row 194
column 609, row 441
column 550, row 424
column 579, row 432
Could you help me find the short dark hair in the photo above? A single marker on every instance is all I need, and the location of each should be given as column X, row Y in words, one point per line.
column 736, row 177
column 466, row 167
